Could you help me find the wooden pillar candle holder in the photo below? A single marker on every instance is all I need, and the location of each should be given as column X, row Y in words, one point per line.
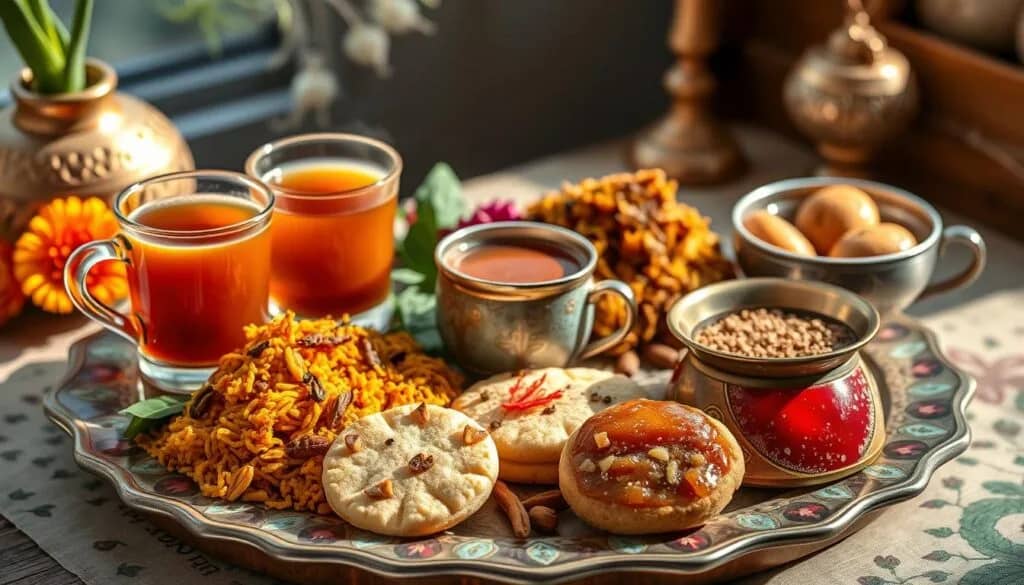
column 689, row 142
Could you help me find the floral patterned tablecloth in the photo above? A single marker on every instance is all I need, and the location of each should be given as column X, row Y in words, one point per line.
column 968, row 526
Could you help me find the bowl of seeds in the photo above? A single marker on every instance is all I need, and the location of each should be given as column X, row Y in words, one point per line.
column 773, row 327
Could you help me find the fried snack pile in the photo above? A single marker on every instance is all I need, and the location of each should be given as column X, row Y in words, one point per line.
column 662, row 248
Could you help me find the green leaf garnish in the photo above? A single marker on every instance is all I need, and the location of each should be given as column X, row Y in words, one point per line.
column 407, row 276
column 150, row 413
column 439, row 206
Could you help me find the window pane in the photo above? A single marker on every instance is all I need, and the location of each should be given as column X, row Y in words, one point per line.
column 124, row 32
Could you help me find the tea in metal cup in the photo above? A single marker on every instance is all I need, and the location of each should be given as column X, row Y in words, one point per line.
column 490, row 326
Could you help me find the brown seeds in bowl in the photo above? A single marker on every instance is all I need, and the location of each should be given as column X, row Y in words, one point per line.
column 773, row 333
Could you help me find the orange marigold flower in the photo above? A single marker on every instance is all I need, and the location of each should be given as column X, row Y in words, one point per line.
column 11, row 299
column 42, row 251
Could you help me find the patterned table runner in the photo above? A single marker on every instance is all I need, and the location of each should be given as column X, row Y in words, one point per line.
column 968, row 525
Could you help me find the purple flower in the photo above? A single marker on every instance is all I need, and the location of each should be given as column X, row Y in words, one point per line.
column 491, row 212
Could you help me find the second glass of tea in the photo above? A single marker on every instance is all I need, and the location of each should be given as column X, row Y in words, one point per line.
column 333, row 228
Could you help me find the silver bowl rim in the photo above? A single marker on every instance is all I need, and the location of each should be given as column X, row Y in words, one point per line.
column 584, row 272
column 770, row 190
column 869, row 311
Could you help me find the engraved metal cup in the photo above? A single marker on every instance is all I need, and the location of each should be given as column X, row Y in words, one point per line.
column 892, row 281
column 492, row 327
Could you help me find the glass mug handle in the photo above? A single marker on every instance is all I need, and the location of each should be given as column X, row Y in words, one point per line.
column 615, row 287
column 76, row 271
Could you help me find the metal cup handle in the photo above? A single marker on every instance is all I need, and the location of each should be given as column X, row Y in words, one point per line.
column 76, row 271
column 615, row 287
column 963, row 235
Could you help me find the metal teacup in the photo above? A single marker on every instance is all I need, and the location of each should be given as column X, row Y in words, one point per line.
column 891, row 282
column 491, row 326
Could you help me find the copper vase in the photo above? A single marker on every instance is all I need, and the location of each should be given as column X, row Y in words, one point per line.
column 90, row 143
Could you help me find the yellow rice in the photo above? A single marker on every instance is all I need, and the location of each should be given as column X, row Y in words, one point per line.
column 235, row 449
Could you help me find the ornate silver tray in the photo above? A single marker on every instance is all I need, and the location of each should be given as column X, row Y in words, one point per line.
column 924, row 395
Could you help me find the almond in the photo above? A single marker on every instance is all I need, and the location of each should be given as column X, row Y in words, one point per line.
column 381, row 491
column 472, row 435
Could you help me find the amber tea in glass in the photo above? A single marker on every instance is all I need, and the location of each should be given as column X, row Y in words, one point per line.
column 197, row 250
column 333, row 240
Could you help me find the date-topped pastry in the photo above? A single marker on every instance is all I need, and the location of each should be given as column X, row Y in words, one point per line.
column 648, row 466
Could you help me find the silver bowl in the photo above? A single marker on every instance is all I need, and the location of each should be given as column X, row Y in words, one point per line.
column 687, row 316
column 891, row 282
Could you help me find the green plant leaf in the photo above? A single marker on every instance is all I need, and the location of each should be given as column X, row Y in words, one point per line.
column 416, row 311
column 1004, row 488
column 150, row 413
column 934, row 504
column 74, row 68
column 417, row 250
column 157, row 407
column 936, row 576
column 45, row 18
column 940, row 532
column 33, row 44
column 407, row 276
column 970, row 461
column 442, row 189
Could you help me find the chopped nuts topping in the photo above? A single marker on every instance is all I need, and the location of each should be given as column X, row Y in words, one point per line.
column 472, row 435
column 494, row 424
column 389, row 442
column 672, row 472
column 696, row 460
column 420, row 414
column 601, row 440
column 587, row 466
column 484, row 396
column 421, row 462
column 381, row 491
column 659, row 453
column 606, row 463
column 353, row 443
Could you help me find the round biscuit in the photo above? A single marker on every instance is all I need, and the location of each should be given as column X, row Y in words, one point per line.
column 454, row 487
column 531, row 436
column 535, row 473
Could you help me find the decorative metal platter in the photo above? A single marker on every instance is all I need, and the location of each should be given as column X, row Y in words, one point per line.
column 924, row 395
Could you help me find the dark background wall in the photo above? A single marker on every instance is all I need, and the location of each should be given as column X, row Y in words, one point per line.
column 501, row 82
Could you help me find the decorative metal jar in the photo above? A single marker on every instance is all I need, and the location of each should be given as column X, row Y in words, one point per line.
column 91, row 143
column 851, row 95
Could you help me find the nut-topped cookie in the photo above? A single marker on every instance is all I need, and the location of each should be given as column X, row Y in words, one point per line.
column 410, row 471
column 530, row 414
column 650, row 466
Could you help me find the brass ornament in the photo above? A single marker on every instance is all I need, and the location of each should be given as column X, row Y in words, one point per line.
column 851, row 95
column 89, row 143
